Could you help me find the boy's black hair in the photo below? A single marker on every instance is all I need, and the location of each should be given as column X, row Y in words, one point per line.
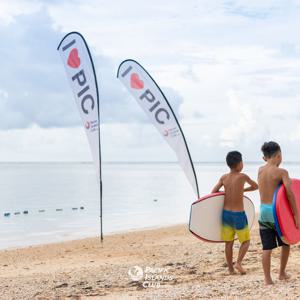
column 270, row 148
column 233, row 158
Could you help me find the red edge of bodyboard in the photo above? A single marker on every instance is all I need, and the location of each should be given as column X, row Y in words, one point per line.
column 279, row 217
column 208, row 196
column 204, row 198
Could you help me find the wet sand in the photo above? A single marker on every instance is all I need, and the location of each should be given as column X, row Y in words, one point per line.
column 165, row 263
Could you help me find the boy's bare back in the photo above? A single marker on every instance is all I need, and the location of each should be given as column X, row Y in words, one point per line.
column 269, row 176
column 233, row 183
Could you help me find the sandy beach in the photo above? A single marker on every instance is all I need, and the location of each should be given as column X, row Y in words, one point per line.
column 166, row 263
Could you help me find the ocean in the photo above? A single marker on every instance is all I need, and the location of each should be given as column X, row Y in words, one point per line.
column 62, row 199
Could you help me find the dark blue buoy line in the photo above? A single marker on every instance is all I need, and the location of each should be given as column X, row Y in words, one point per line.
column 26, row 212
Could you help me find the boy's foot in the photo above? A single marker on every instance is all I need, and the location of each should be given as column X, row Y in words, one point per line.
column 231, row 271
column 268, row 281
column 284, row 276
column 239, row 267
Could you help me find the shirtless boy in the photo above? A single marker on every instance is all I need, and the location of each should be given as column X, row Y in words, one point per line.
column 269, row 176
column 234, row 219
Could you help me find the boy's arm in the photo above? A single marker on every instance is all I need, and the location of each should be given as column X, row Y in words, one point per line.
column 290, row 195
column 217, row 187
column 253, row 185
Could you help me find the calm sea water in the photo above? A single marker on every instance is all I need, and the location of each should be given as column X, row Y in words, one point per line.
column 134, row 196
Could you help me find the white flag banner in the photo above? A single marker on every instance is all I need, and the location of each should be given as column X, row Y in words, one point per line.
column 81, row 74
column 152, row 100
column 80, row 71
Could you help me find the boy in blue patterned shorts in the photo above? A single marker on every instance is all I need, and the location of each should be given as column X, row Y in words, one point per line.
column 269, row 176
column 234, row 219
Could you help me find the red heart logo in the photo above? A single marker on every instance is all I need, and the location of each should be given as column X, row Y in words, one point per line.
column 74, row 59
column 136, row 82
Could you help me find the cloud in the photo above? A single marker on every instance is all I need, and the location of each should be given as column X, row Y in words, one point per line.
column 229, row 68
column 11, row 9
column 244, row 118
column 34, row 86
column 32, row 76
column 253, row 9
column 40, row 144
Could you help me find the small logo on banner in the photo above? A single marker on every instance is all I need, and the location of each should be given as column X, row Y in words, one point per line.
column 171, row 132
column 136, row 82
column 91, row 125
column 74, row 59
column 87, row 125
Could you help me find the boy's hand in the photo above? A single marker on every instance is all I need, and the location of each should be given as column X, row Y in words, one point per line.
column 253, row 185
column 217, row 187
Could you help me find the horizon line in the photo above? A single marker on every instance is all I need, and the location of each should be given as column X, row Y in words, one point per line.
column 135, row 162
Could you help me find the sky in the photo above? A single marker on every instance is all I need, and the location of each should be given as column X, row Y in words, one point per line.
column 230, row 69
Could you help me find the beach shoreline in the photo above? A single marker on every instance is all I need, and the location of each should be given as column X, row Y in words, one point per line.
column 63, row 240
column 172, row 262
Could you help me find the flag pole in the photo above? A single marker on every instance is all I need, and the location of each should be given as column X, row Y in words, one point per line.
column 98, row 114
column 99, row 144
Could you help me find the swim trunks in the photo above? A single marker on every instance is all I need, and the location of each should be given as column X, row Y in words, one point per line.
column 234, row 223
column 270, row 238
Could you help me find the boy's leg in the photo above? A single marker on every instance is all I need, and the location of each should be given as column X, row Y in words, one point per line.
column 242, row 252
column 285, row 252
column 227, row 235
column 229, row 254
column 266, row 262
column 268, row 237
column 243, row 234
